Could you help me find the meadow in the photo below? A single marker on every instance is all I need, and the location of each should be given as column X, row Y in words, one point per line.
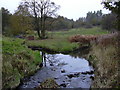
column 59, row 40
column 80, row 31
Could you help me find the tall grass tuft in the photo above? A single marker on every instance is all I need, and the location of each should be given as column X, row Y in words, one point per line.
column 106, row 60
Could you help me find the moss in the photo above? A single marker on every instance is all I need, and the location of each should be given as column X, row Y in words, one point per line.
column 49, row 83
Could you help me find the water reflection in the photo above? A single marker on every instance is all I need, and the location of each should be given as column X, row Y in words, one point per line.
column 79, row 54
column 44, row 59
column 67, row 70
column 69, row 63
column 51, row 59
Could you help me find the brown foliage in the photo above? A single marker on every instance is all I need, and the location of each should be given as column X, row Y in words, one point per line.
column 83, row 38
column 109, row 39
column 103, row 40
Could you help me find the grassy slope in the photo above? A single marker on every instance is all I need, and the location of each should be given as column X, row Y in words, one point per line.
column 106, row 62
column 18, row 61
column 58, row 41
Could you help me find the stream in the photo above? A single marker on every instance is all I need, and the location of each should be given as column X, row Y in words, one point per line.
column 68, row 71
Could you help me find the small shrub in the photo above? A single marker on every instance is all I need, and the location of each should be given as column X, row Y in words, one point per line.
column 85, row 39
column 106, row 40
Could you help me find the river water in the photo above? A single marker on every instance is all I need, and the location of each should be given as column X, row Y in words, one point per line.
column 68, row 72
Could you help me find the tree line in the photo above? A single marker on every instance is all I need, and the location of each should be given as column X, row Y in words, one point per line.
column 41, row 16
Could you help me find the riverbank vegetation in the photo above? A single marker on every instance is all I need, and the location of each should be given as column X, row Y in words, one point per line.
column 18, row 61
column 105, row 56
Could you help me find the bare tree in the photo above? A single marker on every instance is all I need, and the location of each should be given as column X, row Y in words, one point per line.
column 41, row 9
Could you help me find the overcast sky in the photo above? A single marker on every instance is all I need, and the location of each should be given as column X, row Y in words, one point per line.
column 72, row 9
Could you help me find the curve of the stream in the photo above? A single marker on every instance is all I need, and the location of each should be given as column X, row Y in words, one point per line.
column 68, row 72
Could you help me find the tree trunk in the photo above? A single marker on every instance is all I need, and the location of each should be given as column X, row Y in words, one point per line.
column 43, row 34
column 37, row 27
column 43, row 28
column 118, row 22
column 36, row 20
column 38, row 33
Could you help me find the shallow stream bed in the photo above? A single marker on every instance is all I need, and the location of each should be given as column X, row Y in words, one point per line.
column 66, row 70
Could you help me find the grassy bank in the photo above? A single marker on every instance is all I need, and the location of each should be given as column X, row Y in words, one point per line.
column 57, row 45
column 59, row 40
column 106, row 60
column 18, row 61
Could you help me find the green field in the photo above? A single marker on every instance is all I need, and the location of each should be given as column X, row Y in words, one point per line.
column 81, row 31
column 58, row 40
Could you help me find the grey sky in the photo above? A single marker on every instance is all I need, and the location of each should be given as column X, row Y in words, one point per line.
column 72, row 9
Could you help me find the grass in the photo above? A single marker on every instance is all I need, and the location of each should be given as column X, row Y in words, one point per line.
column 106, row 61
column 59, row 45
column 59, row 40
column 18, row 61
column 81, row 31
